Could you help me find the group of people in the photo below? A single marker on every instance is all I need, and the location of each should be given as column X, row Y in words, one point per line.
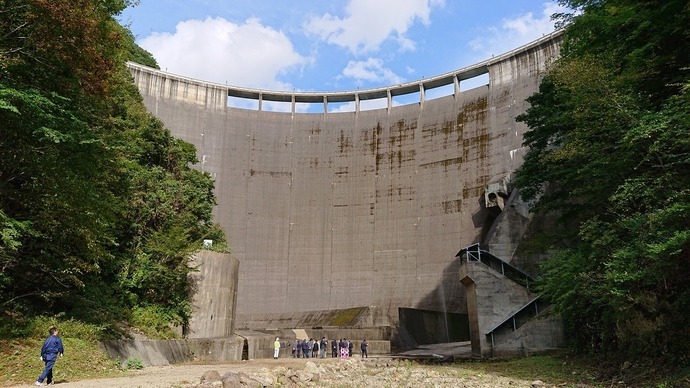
column 312, row 348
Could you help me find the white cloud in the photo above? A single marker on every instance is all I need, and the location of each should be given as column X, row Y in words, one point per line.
column 368, row 24
column 371, row 70
column 516, row 32
column 216, row 50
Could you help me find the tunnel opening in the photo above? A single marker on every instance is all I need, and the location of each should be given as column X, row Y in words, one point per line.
column 432, row 327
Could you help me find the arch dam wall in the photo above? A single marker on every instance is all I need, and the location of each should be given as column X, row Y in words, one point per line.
column 364, row 208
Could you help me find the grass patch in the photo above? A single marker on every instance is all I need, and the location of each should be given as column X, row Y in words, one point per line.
column 561, row 368
column 20, row 349
column 20, row 363
column 554, row 369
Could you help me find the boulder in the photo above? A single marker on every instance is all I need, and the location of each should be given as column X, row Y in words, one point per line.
column 231, row 380
column 210, row 376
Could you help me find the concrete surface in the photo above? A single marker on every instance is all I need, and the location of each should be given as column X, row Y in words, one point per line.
column 214, row 294
column 166, row 352
column 508, row 229
column 355, row 317
column 543, row 332
column 491, row 299
column 461, row 349
column 366, row 208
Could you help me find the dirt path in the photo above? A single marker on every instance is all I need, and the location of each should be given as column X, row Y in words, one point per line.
column 334, row 372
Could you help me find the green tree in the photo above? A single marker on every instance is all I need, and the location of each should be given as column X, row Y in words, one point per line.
column 609, row 152
column 99, row 206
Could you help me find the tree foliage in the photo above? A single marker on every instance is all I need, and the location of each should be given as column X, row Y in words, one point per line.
column 609, row 151
column 99, row 208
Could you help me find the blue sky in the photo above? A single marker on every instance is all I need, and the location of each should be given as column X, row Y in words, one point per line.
column 337, row 45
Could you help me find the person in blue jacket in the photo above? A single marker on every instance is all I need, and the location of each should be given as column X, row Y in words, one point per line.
column 52, row 347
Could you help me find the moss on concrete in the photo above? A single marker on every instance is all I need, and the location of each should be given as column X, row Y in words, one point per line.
column 346, row 317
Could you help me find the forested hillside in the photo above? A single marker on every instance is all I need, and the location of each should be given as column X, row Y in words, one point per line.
column 99, row 208
column 610, row 153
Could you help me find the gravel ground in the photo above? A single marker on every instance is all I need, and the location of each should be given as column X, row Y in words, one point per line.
column 313, row 372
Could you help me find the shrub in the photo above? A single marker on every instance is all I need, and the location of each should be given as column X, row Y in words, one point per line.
column 38, row 327
column 155, row 322
column 134, row 363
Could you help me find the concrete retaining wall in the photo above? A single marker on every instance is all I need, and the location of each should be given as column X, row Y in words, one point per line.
column 367, row 208
column 214, row 295
column 259, row 345
column 167, row 352
column 217, row 349
column 150, row 352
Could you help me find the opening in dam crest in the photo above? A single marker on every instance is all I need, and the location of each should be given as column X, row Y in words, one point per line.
column 409, row 97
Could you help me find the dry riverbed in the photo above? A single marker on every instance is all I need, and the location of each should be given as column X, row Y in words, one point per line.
column 355, row 372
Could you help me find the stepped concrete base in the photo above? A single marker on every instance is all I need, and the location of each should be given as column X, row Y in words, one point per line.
column 261, row 343
column 356, row 324
column 258, row 345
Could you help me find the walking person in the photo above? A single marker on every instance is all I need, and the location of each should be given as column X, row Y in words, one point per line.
column 363, row 348
column 52, row 347
column 334, row 348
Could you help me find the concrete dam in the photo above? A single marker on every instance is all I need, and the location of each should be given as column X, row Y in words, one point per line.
column 328, row 211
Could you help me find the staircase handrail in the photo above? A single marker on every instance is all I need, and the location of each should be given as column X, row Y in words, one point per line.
column 475, row 253
column 535, row 308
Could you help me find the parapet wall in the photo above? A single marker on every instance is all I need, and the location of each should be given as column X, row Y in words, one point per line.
column 365, row 208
